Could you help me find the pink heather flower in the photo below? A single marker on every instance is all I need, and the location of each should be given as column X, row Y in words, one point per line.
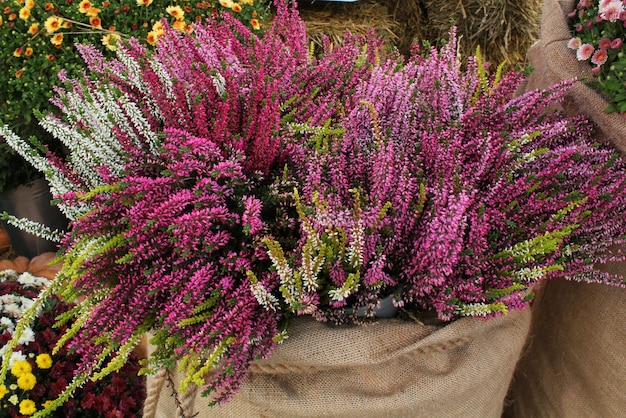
column 605, row 43
column 616, row 43
column 599, row 57
column 574, row 43
column 610, row 10
column 584, row 52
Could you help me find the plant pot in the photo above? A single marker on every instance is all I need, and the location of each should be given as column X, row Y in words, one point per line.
column 32, row 202
column 389, row 368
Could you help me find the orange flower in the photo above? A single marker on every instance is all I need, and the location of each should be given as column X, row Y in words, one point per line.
column 158, row 27
column 18, row 52
column 48, row 6
column 95, row 22
column 57, row 39
column 53, row 23
column 106, row 3
column 152, row 37
column 33, row 29
column 30, row 4
column 255, row 24
column 1, row 20
column 227, row 3
column 28, row 51
column 176, row 12
column 236, row 7
column 50, row 57
column 179, row 25
column 12, row 16
column 144, row 3
column 19, row 73
column 84, row 6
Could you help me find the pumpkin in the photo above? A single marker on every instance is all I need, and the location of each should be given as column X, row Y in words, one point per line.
column 41, row 266
column 5, row 241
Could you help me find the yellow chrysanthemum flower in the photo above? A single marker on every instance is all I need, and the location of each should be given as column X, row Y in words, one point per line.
column 176, row 12
column 84, row 6
column 30, row 4
column 52, row 24
column 3, row 391
column 27, row 407
column 254, row 23
column 227, row 3
column 27, row 381
column 21, row 367
column 1, row 21
column 110, row 41
column 24, row 13
column 93, row 11
column 236, row 7
column 158, row 27
column 144, row 2
column 33, row 29
column 43, row 361
column 57, row 39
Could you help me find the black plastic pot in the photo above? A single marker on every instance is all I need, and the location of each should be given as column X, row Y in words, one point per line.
column 32, row 202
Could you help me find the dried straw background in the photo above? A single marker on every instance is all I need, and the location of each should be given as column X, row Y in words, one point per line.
column 504, row 29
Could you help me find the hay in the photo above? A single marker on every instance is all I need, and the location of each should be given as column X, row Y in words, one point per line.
column 333, row 19
column 504, row 29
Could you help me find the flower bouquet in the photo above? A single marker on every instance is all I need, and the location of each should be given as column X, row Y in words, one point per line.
column 285, row 191
column 37, row 375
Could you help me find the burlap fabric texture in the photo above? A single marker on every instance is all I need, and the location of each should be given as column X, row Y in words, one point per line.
column 575, row 363
column 391, row 368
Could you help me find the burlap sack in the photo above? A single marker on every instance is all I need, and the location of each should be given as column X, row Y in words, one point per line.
column 575, row 363
column 392, row 368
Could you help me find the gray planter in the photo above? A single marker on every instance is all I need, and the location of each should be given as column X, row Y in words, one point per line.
column 32, row 202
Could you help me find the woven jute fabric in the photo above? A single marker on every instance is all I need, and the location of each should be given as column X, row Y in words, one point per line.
column 391, row 368
column 575, row 362
column 555, row 62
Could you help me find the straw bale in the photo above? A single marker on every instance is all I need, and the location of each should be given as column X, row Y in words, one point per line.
column 333, row 19
column 504, row 29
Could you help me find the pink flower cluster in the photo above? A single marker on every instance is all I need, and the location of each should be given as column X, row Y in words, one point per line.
column 599, row 31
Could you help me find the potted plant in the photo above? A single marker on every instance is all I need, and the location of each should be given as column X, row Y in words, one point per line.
column 38, row 40
column 285, row 191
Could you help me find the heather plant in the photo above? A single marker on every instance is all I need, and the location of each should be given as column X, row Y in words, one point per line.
column 225, row 182
column 441, row 189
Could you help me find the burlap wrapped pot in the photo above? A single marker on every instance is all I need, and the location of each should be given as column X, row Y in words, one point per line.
column 392, row 368
column 575, row 363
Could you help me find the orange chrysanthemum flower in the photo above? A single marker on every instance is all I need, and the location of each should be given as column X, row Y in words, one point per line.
column 33, row 29
column 179, row 25
column 19, row 73
column 95, row 22
column 254, row 23
column 236, row 7
column 28, row 52
column 18, row 52
column 48, row 7
column 93, row 11
column 152, row 37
